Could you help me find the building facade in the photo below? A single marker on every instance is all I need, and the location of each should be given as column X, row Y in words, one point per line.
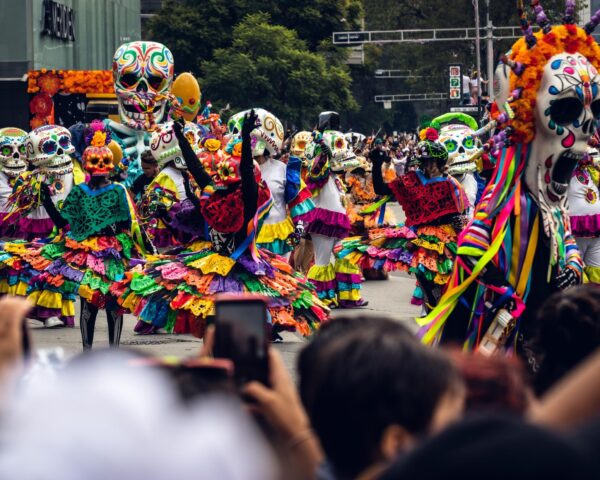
column 57, row 34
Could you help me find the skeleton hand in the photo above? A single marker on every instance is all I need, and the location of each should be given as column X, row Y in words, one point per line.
column 565, row 279
column 326, row 149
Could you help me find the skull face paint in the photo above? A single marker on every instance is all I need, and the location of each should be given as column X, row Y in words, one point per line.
column 49, row 147
column 98, row 161
column 13, row 154
column 566, row 114
column 143, row 73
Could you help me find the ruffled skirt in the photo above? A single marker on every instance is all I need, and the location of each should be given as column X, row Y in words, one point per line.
column 273, row 236
column 428, row 251
column 68, row 268
column 176, row 292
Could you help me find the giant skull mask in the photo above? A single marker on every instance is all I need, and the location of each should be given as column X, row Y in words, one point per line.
column 48, row 148
column 343, row 156
column 267, row 136
column 461, row 146
column 566, row 112
column 165, row 147
column 299, row 143
column 143, row 74
column 13, row 152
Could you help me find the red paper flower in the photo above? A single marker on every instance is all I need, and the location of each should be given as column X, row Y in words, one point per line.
column 41, row 105
column 432, row 134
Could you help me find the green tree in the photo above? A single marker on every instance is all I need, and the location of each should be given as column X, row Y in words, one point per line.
column 268, row 66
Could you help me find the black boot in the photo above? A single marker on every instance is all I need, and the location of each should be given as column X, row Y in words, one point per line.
column 87, row 323
column 115, row 326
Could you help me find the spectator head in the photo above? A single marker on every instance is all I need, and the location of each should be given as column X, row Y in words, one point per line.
column 149, row 164
column 374, row 391
column 494, row 384
column 569, row 331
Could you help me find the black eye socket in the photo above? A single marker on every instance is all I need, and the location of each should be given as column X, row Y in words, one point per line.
column 566, row 110
column 155, row 82
column 129, row 79
column 596, row 108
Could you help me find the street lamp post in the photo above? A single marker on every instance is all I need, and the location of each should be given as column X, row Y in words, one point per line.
column 490, row 51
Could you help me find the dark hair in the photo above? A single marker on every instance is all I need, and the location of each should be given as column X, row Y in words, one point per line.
column 147, row 158
column 369, row 378
column 494, row 384
column 569, row 331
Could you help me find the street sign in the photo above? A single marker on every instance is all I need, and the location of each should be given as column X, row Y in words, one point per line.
column 455, row 82
column 470, row 109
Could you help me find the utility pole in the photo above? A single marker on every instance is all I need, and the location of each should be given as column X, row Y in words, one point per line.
column 478, row 56
column 490, row 52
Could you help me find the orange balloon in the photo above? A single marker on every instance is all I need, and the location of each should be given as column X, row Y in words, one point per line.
column 187, row 91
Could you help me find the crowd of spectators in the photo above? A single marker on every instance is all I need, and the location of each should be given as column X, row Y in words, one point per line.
column 371, row 403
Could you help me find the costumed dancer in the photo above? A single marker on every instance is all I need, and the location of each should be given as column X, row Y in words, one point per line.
column 103, row 242
column 584, row 213
column 177, row 292
column 519, row 249
column 48, row 150
column 13, row 163
column 292, row 201
column 338, row 284
column 434, row 204
column 166, row 211
column 457, row 133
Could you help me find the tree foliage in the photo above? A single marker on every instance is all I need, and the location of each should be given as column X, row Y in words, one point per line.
column 268, row 66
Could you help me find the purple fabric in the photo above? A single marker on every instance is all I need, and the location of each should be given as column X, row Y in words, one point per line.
column 225, row 284
column 348, row 277
column 133, row 262
column 58, row 267
column 329, row 224
column 585, row 225
column 324, row 286
column 161, row 238
column 184, row 217
column 42, row 313
column 275, row 302
column 351, row 303
column 256, row 268
column 36, row 226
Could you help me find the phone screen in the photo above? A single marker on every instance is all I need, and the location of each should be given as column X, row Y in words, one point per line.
column 241, row 336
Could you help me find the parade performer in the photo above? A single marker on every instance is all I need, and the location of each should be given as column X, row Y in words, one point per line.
column 13, row 163
column 292, row 201
column 337, row 284
column 103, row 241
column 434, row 204
column 48, row 149
column 166, row 211
column 457, row 133
column 519, row 247
column 143, row 76
column 584, row 213
column 177, row 292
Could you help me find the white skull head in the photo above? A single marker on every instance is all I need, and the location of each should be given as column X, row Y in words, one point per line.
column 267, row 136
column 299, row 143
column 461, row 146
column 49, row 147
column 566, row 113
column 165, row 147
column 13, row 154
column 194, row 136
column 143, row 74
column 343, row 156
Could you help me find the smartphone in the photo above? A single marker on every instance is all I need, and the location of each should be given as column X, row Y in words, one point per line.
column 242, row 335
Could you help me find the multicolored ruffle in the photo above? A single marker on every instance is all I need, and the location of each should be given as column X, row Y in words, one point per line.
column 68, row 268
column 177, row 292
column 329, row 223
column 428, row 250
column 273, row 236
column 337, row 285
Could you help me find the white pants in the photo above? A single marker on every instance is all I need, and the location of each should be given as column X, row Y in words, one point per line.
column 323, row 247
column 590, row 251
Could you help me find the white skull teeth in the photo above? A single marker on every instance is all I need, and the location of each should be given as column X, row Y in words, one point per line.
column 559, row 188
